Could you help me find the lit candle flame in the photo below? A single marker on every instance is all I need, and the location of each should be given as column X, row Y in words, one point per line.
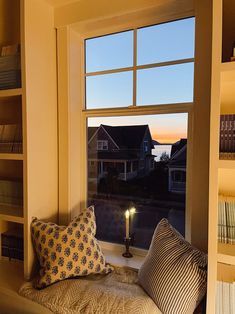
column 132, row 211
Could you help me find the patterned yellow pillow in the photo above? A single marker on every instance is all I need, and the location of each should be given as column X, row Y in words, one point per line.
column 66, row 252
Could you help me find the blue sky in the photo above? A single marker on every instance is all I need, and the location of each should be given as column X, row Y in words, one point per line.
column 160, row 85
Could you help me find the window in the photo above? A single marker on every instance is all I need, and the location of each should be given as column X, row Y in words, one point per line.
column 146, row 66
column 102, row 145
column 145, row 146
column 178, row 176
column 133, row 147
column 128, row 176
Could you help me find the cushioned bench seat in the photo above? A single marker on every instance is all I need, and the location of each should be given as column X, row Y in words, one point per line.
column 116, row 292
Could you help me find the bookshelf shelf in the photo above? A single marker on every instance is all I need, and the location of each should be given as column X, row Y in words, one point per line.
column 226, row 253
column 10, row 92
column 228, row 71
column 226, row 164
column 11, row 213
column 11, row 156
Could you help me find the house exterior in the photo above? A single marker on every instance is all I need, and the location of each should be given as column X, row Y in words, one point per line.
column 123, row 151
column 177, row 167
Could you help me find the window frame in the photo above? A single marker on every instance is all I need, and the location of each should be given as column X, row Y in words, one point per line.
column 131, row 111
column 133, row 68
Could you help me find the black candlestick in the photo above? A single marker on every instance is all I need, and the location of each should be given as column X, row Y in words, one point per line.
column 127, row 245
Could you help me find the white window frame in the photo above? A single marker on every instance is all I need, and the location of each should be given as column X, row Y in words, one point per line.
column 134, row 110
column 133, row 68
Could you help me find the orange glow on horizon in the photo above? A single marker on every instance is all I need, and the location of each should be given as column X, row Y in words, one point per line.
column 168, row 138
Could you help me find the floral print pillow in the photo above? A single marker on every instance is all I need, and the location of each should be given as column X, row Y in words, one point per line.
column 66, row 252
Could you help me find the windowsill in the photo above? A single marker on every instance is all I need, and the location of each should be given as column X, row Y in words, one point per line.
column 113, row 254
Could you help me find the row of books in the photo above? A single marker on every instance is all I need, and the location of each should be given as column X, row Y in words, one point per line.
column 227, row 136
column 226, row 219
column 12, row 244
column 10, row 74
column 10, row 138
column 225, row 299
column 11, row 192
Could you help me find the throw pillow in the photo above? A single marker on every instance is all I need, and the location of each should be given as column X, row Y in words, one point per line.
column 174, row 272
column 65, row 252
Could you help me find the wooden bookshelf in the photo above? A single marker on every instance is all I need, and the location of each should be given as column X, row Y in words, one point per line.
column 221, row 257
column 34, row 107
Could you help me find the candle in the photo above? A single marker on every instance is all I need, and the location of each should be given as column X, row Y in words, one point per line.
column 127, row 215
column 132, row 212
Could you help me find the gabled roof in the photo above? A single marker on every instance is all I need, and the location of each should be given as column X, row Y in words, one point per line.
column 126, row 137
column 91, row 131
column 178, row 145
column 179, row 156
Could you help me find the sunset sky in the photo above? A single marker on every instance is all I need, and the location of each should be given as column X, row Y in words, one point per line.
column 165, row 128
column 159, row 85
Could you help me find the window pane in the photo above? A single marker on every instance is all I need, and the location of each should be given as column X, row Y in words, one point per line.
column 109, row 52
column 109, row 90
column 165, row 85
column 144, row 166
column 166, row 42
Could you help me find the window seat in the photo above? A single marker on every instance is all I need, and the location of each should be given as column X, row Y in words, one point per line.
column 11, row 278
column 117, row 292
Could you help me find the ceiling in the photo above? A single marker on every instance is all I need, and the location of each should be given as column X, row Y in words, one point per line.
column 58, row 3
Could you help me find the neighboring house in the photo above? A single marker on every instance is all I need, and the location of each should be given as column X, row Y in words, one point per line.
column 177, row 167
column 124, row 151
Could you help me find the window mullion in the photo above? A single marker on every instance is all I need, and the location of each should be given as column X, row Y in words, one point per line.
column 134, row 67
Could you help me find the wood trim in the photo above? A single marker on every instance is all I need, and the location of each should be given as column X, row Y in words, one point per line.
column 141, row 67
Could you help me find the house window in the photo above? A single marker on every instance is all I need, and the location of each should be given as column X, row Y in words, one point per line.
column 133, row 139
column 146, row 66
column 178, row 176
column 102, row 145
column 146, row 146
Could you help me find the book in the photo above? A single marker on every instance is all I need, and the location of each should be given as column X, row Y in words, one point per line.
column 227, row 136
column 11, row 192
column 12, row 244
column 10, row 138
column 10, row 50
column 226, row 219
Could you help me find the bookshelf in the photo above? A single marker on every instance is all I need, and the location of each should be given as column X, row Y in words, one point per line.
column 221, row 256
column 11, row 165
column 32, row 106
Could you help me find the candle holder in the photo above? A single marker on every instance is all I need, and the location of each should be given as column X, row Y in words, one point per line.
column 127, row 253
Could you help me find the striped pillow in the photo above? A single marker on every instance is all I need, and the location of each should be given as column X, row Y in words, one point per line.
column 174, row 272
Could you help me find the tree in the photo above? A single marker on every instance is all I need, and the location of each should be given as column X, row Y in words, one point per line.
column 164, row 157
